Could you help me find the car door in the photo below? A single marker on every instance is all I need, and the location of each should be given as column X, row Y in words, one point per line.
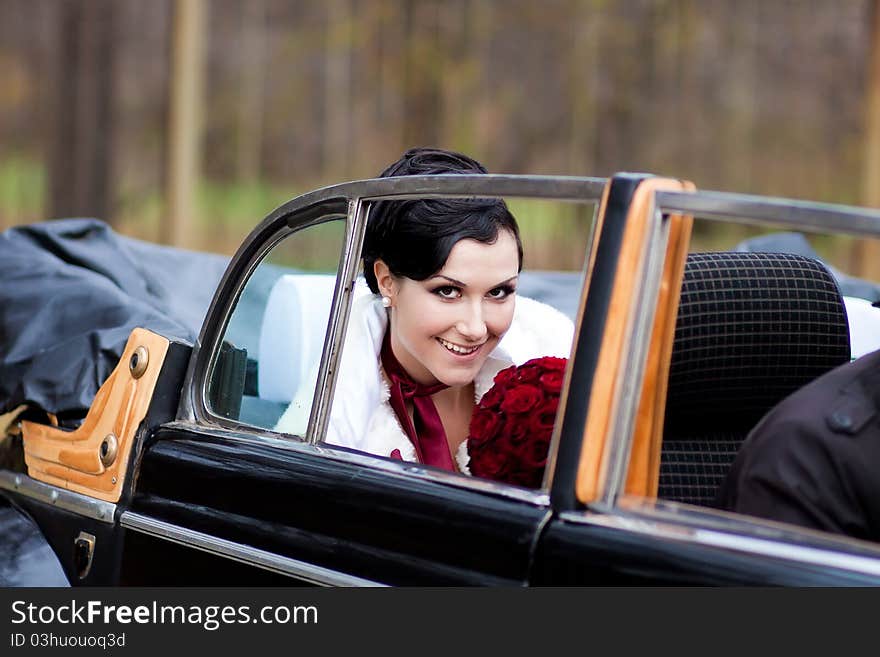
column 221, row 497
column 610, row 526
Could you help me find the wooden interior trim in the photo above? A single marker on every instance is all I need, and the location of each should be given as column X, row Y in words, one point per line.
column 593, row 462
column 72, row 459
column 643, row 472
column 9, row 421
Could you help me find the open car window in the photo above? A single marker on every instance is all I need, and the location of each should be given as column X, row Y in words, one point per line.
column 555, row 237
column 265, row 373
column 268, row 356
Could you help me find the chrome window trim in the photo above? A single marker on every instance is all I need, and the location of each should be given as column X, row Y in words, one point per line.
column 408, row 469
column 563, row 188
column 717, row 537
column 736, row 523
column 68, row 500
column 193, row 410
column 239, row 552
column 337, row 324
column 199, row 369
column 772, row 211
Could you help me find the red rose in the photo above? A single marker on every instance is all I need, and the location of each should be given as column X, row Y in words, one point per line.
column 521, row 398
column 548, row 363
column 493, row 397
column 516, row 429
column 541, row 422
column 552, row 381
column 485, row 424
column 505, row 376
column 487, row 461
column 510, row 430
column 533, row 453
column 528, row 373
column 551, row 404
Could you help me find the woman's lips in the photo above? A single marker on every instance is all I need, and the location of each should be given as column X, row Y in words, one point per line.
column 459, row 350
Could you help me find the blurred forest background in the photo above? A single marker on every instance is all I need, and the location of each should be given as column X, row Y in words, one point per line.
column 187, row 121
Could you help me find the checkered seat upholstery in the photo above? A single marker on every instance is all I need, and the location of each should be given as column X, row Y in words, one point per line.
column 751, row 329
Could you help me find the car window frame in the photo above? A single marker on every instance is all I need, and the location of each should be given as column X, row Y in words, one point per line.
column 298, row 214
column 712, row 527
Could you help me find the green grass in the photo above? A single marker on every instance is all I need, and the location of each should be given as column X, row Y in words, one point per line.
column 228, row 212
column 225, row 213
column 22, row 190
column 554, row 234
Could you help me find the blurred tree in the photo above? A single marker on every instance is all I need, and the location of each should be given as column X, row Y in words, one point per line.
column 82, row 125
column 337, row 87
column 583, row 72
column 249, row 135
column 185, row 120
column 750, row 96
column 867, row 256
column 421, row 74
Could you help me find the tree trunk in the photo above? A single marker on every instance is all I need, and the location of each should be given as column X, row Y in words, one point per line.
column 82, row 145
column 337, row 89
column 249, row 135
column 185, row 120
column 584, row 72
column 867, row 251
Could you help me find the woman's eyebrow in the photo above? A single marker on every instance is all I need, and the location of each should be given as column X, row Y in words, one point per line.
column 461, row 284
column 451, row 280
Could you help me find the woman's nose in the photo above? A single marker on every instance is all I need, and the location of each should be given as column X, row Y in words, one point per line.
column 471, row 324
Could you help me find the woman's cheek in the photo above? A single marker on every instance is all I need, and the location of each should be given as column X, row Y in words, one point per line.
column 501, row 318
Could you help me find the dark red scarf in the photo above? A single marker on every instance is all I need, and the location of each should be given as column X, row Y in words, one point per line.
column 425, row 430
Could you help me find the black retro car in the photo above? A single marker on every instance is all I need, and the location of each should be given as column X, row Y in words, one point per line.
column 175, row 475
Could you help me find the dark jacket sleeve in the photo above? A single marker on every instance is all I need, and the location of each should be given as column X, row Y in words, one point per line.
column 814, row 460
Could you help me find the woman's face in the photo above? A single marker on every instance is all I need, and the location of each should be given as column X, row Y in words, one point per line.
column 444, row 328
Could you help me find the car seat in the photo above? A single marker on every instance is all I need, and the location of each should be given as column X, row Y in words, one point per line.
column 751, row 329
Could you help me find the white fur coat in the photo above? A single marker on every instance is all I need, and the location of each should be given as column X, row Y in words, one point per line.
column 361, row 416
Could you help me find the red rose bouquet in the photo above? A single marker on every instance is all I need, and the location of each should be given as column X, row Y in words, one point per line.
column 510, row 429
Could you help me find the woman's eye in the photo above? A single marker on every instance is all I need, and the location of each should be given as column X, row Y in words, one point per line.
column 448, row 292
column 500, row 293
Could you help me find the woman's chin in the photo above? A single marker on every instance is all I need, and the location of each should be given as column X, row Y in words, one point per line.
column 456, row 382
column 455, row 377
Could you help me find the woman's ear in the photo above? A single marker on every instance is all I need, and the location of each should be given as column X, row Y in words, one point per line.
column 384, row 279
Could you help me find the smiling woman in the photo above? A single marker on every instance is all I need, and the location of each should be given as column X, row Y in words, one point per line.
column 424, row 347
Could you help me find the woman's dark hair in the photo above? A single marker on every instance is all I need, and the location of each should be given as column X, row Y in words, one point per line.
column 414, row 237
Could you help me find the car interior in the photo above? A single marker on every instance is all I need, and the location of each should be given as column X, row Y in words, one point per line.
column 752, row 328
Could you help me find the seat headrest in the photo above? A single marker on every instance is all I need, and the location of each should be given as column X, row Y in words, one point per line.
column 864, row 326
column 292, row 332
column 752, row 328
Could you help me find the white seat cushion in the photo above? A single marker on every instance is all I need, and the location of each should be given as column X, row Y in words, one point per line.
column 864, row 326
column 292, row 333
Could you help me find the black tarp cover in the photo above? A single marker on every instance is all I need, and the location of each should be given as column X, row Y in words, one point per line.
column 72, row 290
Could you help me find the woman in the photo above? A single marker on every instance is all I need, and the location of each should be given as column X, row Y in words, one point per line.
column 425, row 345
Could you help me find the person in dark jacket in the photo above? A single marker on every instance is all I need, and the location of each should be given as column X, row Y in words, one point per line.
column 814, row 460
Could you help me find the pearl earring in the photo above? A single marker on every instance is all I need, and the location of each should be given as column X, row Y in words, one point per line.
column 386, row 302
